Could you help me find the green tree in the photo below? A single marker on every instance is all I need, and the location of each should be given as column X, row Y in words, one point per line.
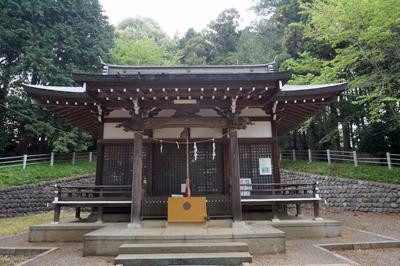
column 252, row 48
column 356, row 41
column 42, row 42
column 140, row 41
column 366, row 36
column 195, row 48
column 223, row 34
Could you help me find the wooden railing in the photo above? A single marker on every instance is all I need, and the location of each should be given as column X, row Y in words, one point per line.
column 93, row 193
column 90, row 196
column 279, row 190
column 284, row 194
column 152, row 206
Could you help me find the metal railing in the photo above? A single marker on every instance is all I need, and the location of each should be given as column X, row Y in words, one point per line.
column 46, row 158
column 330, row 156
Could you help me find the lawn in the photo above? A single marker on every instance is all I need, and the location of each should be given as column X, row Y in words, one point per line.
column 14, row 176
column 16, row 225
column 363, row 171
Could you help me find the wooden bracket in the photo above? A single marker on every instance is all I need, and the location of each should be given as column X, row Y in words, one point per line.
column 136, row 123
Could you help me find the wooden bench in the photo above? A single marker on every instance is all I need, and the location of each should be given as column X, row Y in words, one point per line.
column 90, row 196
column 279, row 193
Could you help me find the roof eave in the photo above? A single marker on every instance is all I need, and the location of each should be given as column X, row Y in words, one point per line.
column 284, row 76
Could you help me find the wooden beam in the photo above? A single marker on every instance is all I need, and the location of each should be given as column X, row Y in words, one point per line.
column 235, row 176
column 169, row 104
column 137, row 181
column 177, row 122
column 171, row 122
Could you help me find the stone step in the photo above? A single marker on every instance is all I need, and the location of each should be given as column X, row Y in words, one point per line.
column 155, row 248
column 228, row 258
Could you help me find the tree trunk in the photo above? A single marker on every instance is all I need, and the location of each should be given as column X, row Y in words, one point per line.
column 311, row 137
column 22, row 147
column 346, row 136
column 336, row 138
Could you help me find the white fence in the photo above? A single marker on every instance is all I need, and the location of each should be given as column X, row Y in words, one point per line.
column 330, row 156
column 47, row 158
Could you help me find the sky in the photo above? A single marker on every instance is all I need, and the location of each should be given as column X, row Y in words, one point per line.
column 176, row 16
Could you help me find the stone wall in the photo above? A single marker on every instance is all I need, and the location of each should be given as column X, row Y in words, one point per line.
column 338, row 193
column 20, row 200
column 351, row 194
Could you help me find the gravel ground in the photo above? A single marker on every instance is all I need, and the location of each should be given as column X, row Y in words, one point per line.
column 380, row 223
column 372, row 257
column 306, row 252
column 68, row 253
column 298, row 251
column 356, row 227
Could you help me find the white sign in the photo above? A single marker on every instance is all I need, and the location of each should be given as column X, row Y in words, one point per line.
column 245, row 190
column 265, row 166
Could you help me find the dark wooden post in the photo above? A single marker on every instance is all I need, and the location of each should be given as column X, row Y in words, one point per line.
column 275, row 153
column 235, row 176
column 137, row 181
column 78, row 212
column 99, row 156
column 57, row 207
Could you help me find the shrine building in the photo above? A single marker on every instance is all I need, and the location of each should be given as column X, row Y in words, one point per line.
column 161, row 132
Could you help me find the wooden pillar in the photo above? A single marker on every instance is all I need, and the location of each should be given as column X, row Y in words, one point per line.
column 99, row 157
column 78, row 212
column 275, row 153
column 235, row 176
column 137, row 181
column 225, row 143
column 57, row 211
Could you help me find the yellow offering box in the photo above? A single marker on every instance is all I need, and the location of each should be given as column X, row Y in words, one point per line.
column 187, row 209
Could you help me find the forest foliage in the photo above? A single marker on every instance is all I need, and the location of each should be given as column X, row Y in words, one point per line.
column 320, row 41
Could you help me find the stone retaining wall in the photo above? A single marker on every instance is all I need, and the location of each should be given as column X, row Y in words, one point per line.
column 20, row 200
column 351, row 194
column 338, row 193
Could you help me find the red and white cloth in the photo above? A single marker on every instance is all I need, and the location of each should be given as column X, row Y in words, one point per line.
column 187, row 189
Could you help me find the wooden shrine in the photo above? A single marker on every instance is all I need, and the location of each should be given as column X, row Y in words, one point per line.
column 232, row 117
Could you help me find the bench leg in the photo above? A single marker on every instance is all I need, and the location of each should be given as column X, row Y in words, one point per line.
column 316, row 211
column 299, row 211
column 57, row 212
column 274, row 213
column 100, row 214
column 78, row 212
column 285, row 209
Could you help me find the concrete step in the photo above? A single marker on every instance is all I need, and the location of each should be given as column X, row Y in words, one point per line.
column 156, row 248
column 228, row 258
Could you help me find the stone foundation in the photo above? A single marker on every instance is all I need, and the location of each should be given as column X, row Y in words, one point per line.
column 20, row 200
column 351, row 194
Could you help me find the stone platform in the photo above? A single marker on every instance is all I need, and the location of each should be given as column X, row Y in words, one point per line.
column 262, row 237
column 107, row 240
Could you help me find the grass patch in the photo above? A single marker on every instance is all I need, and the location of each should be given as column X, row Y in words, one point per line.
column 14, row 176
column 346, row 170
column 16, row 225
column 12, row 260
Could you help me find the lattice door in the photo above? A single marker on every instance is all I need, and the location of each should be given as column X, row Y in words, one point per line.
column 249, row 155
column 118, row 164
column 206, row 174
column 169, row 170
